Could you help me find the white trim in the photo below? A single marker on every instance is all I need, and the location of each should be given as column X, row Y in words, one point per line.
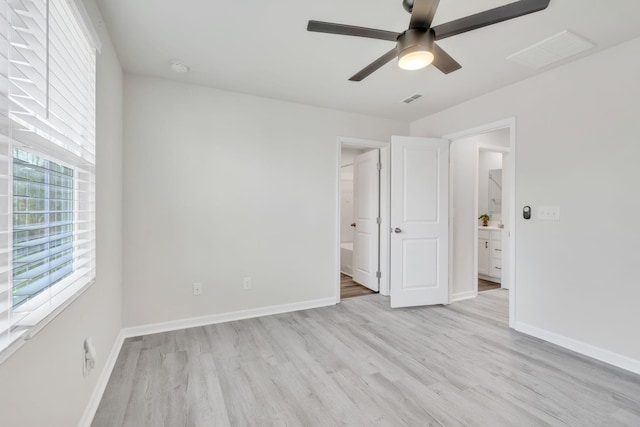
column 385, row 218
column 96, row 396
column 463, row 296
column 384, row 147
column 509, row 123
column 80, row 12
column 32, row 331
column 338, row 220
column 174, row 325
column 500, row 124
column 615, row 359
column 450, row 225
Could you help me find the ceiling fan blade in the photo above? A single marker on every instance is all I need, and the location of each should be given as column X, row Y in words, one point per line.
column 375, row 65
column 423, row 13
column 350, row 30
column 489, row 17
column 443, row 61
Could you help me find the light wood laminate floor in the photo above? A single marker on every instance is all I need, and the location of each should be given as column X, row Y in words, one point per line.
column 363, row 364
column 350, row 289
column 485, row 285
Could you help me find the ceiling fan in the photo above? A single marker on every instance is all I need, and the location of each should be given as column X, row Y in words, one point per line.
column 415, row 47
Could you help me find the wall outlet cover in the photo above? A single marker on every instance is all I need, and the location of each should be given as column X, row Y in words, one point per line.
column 197, row 289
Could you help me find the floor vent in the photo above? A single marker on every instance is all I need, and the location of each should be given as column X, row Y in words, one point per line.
column 412, row 98
column 556, row 48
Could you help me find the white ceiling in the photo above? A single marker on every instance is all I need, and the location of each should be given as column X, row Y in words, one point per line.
column 261, row 47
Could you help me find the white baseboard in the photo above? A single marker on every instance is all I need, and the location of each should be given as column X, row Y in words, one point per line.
column 173, row 325
column 463, row 296
column 101, row 385
column 598, row 353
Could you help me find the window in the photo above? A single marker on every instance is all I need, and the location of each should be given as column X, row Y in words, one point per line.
column 47, row 161
column 42, row 225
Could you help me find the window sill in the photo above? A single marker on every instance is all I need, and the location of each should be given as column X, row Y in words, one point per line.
column 19, row 338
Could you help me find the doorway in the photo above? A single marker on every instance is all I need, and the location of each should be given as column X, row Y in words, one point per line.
column 423, row 166
column 466, row 231
column 492, row 183
column 362, row 190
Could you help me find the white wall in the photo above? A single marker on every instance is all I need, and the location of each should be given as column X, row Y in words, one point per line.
column 221, row 186
column 577, row 148
column 42, row 383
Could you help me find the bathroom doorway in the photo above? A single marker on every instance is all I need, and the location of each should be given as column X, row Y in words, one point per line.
column 363, row 215
column 466, row 230
column 490, row 186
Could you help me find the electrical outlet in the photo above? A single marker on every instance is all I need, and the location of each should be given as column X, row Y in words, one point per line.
column 89, row 356
column 197, row 288
column 246, row 283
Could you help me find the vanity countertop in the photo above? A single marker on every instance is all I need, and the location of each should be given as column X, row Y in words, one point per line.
column 490, row 228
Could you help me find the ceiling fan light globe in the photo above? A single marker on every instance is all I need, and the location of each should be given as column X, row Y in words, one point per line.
column 415, row 60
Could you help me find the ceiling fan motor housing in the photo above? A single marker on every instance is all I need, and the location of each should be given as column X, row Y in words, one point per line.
column 408, row 5
column 414, row 40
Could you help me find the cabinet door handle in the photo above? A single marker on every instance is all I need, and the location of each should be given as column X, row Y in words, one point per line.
column 486, row 245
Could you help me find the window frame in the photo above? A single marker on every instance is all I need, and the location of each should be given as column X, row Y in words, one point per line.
column 33, row 305
column 20, row 323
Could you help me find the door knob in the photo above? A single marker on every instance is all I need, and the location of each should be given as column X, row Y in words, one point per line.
column 353, row 224
column 397, row 230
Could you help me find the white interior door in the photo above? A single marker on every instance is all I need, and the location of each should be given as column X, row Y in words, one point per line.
column 366, row 205
column 419, row 221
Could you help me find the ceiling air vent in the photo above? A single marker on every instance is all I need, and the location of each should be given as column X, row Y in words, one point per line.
column 412, row 98
column 556, row 48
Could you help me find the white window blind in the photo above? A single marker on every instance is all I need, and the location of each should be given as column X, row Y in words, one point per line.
column 47, row 161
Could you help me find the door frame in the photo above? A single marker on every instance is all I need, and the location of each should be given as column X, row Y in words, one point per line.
column 343, row 141
column 509, row 123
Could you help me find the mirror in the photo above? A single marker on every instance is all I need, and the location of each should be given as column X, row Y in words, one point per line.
column 495, row 191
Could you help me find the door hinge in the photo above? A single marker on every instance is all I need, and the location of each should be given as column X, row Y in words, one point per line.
column 378, row 274
column 379, row 166
column 379, row 220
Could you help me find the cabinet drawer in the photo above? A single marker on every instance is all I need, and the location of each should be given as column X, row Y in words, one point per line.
column 496, row 235
column 496, row 244
column 495, row 267
column 483, row 234
column 496, row 249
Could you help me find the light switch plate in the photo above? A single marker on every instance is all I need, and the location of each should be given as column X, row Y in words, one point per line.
column 549, row 213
